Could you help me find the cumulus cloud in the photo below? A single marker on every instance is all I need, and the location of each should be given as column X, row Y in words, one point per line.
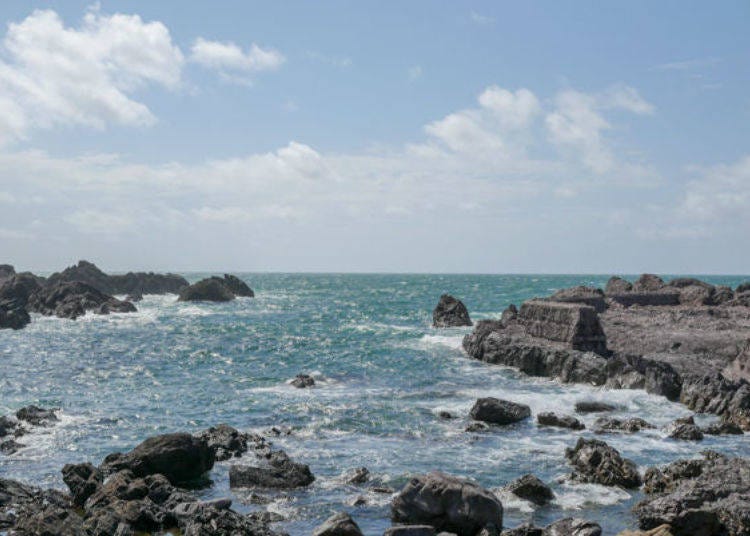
column 57, row 75
column 228, row 57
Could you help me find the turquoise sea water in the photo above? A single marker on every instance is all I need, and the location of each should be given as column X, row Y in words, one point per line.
column 383, row 375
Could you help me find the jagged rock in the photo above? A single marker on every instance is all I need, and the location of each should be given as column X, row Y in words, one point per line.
column 573, row 527
column 447, row 503
column 211, row 289
column 360, row 475
column 236, row 285
column 617, row 285
column 648, row 283
column 37, row 416
column 495, row 411
column 450, row 312
column 340, row 524
column 302, row 381
column 278, row 471
column 592, row 406
column 73, row 299
column 631, row 425
column 530, row 488
column 82, row 479
column 131, row 283
column 225, row 442
column 180, row 457
column 724, row 428
column 410, row 530
column 695, row 497
column 596, row 462
column 508, row 315
column 571, row 323
column 560, row 421
column 581, row 294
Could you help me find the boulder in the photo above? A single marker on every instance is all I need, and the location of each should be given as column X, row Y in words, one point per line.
column 596, row 462
column 278, row 471
column 648, row 283
column 73, row 299
column 210, row 289
column 574, row 324
column 530, row 488
column 340, row 524
column 592, row 406
column 581, row 294
column 560, row 421
column 450, row 312
column 617, row 285
column 447, row 503
column 495, row 411
column 37, row 416
column 180, row 457
column 631, row 425
column 302, row 381
column 225, row 441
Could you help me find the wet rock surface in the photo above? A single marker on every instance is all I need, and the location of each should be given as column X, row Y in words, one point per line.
column 450, row 312
column 596, row 462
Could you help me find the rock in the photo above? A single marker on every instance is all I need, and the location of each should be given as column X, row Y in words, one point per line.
column 278, row 471
column 340, row 524
column 560, row 421
column 592, row 406
column 134, row 283
column 510, row 314
column 501, row 412
column 617, row 285
column 450, row 312
column 83, row 480
column 237, row 286
column 225, row 442
column 574, row 324
column 631, row 425
column 410, row 530
column 73, row 299
column 648, row 283
column 447, row 503
column 724, row 428
column 302, row 381
column 596, row 462
column 573, row 527
column 37, row 416
column 179, row 457
column 694, row 497
column 581, row 294
column 530, row 488
column 360, row 475
column 211, row 289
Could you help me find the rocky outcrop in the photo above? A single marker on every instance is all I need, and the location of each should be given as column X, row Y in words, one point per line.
column 708, row 496
column 631, row 425
column 559, row 421
column 180, row 457
column 277, row 470
column 530, row 488
column 449, row 504
column 74, row 299
column 574, row 324
column 340, row 524
column 593, row 297
column 596, row 462
column 501, row 412
column 450, row 312
column 130, row 283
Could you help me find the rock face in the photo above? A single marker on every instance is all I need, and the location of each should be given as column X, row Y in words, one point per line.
column 130, row 283
column 710, row 496
column 179, row 457
column 73, row 299
column 585, row 295
column 450, row 312
column 596, row 462
column 560, row 421
column 340, row 524
column 571, row 323
column 501, row 412
column 278, row 471
column 530, row 488
column 449, row 504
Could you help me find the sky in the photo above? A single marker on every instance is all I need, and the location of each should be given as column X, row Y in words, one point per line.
column 339, row 136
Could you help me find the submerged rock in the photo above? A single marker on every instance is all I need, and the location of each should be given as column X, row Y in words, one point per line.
column 340, row 524
column 596, row 462
column 501, row 412
column 449, row 504
column 450, row 312
column 560, row 421
column 530, row 488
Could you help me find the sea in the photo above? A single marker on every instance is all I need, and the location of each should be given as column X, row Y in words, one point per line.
column 382, row 377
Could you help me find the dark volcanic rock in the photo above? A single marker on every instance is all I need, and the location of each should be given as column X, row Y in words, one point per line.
column 340, row 524
column 211, row 289
column 631, row 425
column 530, row 488
column 596, row 462
column 131, row 283
column 450, row 312
column 36, row 415
column 648, row 283
column 496, row 411
column 225, row 442
column 585, row 295
column 449, row 504
column 303, row 380
column 592, row 406
column 574, row 324
column 560, row 421
column 278, row 471
column 180, row 457
column 73, row 299
column 617, row 285
column 698, row 497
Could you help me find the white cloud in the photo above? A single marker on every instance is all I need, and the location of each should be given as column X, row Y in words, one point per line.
column 227, row 56
column 56, row 75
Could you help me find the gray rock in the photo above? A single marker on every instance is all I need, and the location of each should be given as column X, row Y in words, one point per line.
column 450, row 312
column 340, row 524
column 596, row 462
column 560, row 421
column 501, row 412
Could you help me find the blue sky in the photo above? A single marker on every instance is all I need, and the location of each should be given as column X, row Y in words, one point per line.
column 383, row 136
